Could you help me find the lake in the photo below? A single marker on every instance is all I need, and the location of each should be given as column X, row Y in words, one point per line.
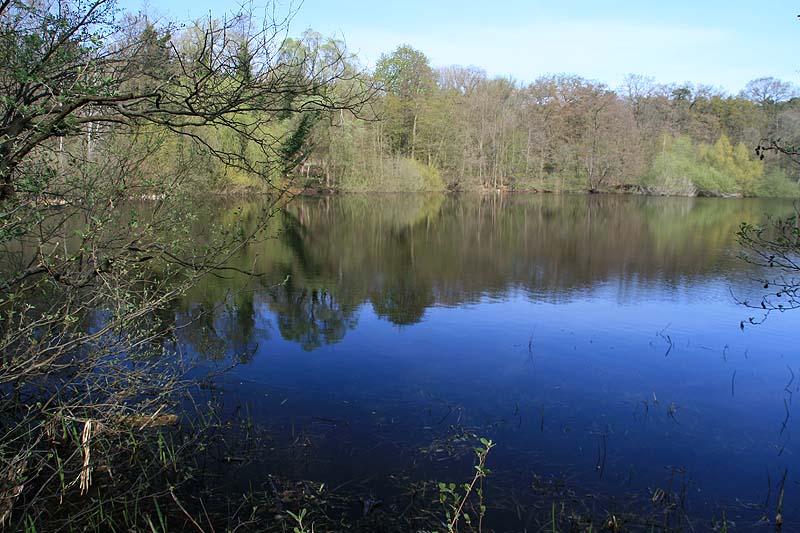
column 595, row 338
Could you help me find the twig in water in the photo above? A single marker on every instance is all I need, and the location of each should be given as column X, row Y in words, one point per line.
column 448, row 413
column 530, row 346
column 601, row 455
column 541, row 425
column 667, row 338
column 769, row 492
column 779, row 508
column 785, row 420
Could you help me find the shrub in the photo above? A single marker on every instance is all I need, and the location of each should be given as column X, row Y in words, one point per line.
column 776, row 185
column 687, row 170
column 399, row 174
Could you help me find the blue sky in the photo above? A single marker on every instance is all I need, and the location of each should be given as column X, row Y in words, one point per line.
column 724, row 44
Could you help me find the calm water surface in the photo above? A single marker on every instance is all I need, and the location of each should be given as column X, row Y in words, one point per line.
column 596, row 339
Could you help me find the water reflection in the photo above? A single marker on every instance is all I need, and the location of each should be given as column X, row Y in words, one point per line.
column 404, row 254
column 577, row 331
column 309, row 317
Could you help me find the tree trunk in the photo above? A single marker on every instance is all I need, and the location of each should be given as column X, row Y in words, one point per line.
column 414, row 136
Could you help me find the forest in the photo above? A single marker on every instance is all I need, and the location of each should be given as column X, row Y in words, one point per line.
column 455, row 128
column 406, row 125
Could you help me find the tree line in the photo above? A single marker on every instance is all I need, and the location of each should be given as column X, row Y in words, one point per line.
column 455, row 128
column 189, row 101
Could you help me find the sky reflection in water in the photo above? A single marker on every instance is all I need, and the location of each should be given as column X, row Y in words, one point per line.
column 591, row 337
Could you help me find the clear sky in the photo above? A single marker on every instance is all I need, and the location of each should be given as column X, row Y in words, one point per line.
column 720, row 43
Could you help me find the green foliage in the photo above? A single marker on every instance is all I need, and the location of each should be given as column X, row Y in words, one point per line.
column 731, row 163
column 294, row 147
column 405, row 73
column 675, row 169
column 298, row 519
column 455, row 498
column 408, row 81
column 558, row 133
column 396, row 174
column 776, row 184
column 686, row 169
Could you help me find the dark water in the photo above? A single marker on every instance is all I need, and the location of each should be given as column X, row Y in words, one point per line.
column 596, row 339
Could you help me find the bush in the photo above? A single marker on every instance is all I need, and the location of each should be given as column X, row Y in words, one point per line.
column 399, row 174
column 776, row 185
column 683, row 169
column 674, row 170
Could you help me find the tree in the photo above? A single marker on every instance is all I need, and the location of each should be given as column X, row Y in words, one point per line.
column 769, row 91
column 72, row 71
column 95, row 118
column 775, row 246
column 407, row 78
column 733, row 162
